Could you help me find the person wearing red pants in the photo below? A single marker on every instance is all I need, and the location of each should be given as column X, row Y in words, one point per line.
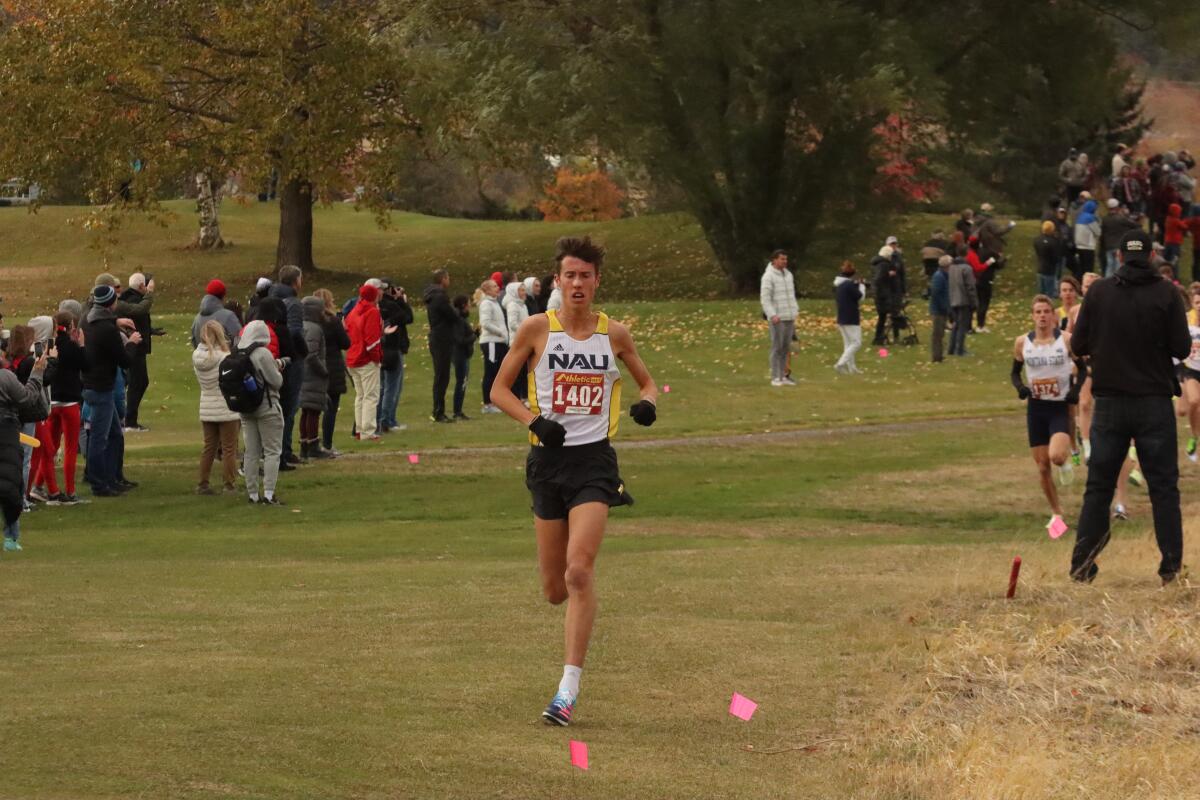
column 66, row 394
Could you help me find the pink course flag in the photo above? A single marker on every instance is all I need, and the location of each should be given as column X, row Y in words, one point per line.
column 413, row 458
column 883, row 353
column 578, row 754
column 1056, row 527
column 666, row 388
column 742, row 707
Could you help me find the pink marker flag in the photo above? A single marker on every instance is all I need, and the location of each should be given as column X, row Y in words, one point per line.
column 413, row 458
column 1056, row 528
column 666, row 388
column 883, row 353
column 742, row 707
column 578, row 754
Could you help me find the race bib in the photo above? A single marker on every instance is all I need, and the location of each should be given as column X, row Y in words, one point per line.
column 1045, row 388
column 577, row 393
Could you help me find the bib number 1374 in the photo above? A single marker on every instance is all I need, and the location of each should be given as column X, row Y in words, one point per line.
column 578, row 393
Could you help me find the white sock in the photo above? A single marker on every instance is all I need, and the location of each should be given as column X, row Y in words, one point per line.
column 570, row 680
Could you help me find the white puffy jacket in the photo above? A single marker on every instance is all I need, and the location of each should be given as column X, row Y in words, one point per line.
column 207, row 364
column 778, row 294
column 515, row 306
column 492, row 326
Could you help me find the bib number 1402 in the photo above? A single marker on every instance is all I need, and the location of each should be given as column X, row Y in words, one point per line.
column 577, row 393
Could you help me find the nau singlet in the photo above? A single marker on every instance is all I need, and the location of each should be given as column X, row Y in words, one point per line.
column 1192, row 362
column 577, row 384
column 1048, row 367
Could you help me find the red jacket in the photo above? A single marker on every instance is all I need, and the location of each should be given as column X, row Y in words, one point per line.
column 365, row 327
column 1176, row 228
column 977, row 264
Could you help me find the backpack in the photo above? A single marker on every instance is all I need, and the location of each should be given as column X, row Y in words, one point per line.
column 241, row 385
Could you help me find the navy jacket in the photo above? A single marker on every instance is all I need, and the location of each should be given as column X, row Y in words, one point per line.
column 848, row 294
column 939, row 294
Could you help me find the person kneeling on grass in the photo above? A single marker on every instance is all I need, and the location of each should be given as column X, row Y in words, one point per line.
column 1045, row 354
column 262, row 428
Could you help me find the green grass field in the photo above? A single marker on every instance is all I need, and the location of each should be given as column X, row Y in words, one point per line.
column 838, row 552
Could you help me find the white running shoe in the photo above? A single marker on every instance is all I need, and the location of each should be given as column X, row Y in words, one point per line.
column 1065, row 475
column 1119, row 512
column 777, row 382
column 788, row 382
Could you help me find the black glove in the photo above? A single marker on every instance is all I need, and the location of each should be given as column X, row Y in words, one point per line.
column 157, row 332
column 1072, row 398
column 549, row 432
column 1023, row 392
column 643, row 413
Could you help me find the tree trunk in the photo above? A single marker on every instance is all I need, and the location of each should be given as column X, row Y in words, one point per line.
column 208, row 204
column 295, row 225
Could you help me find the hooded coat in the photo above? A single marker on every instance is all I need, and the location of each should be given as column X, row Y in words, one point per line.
column 515, row 309
column 211, row 307
column 442, row 317
column 1132, row 325
column 314, row 391
column 531, row 301
column 1087, row 227
column 365, row 327
column 256, row 332
column 1176, row 228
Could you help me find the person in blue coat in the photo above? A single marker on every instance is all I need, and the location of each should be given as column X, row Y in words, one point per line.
column 939, row 306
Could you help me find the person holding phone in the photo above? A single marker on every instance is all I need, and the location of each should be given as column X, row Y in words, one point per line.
column 19, row 400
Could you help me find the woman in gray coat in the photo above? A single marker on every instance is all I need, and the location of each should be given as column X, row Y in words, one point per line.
column 314, row 392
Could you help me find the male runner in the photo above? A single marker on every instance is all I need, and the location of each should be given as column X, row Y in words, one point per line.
column 1188, row 404
column 571, row 471
column 1045, row 353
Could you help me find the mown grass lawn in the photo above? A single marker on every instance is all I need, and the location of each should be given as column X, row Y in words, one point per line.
column 836, row 551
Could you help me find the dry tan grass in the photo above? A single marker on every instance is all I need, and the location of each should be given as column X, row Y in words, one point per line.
column 1068, row 691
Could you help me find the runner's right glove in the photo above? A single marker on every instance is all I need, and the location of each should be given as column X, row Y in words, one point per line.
column 549, row 432
column 643, row 412
column 1023, row 393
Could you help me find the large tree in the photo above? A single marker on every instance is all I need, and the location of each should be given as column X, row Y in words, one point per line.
column 771, row 116
column 147, row 94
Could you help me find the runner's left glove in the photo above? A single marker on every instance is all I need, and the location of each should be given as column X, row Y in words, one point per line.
column 643, row 412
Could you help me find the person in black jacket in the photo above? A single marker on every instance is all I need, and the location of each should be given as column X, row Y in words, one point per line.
column 19, row 401
column 464, row 347
column 397, row 315
column 1048, row 249
column 889, row 298
column 106, row 352
column 66, row 395
column 135, row 297
column 287, row 289
column 1131, row 326
column 442, row 319
column 336, row 342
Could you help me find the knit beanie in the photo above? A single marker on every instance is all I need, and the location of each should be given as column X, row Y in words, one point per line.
column 368, row 293
column 216, row 288
column 106, row 279
column 104, row 295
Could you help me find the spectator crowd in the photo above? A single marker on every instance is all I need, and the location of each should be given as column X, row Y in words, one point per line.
column 72, row 385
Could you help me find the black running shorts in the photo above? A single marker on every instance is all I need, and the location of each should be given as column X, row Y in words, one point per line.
column 1186, row 373
column 560, row 478
column 1046, row 418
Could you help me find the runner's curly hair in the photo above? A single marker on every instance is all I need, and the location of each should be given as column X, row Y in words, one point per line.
column 584, row 249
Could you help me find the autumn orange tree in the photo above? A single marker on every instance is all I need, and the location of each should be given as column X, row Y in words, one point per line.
column 581, row 197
